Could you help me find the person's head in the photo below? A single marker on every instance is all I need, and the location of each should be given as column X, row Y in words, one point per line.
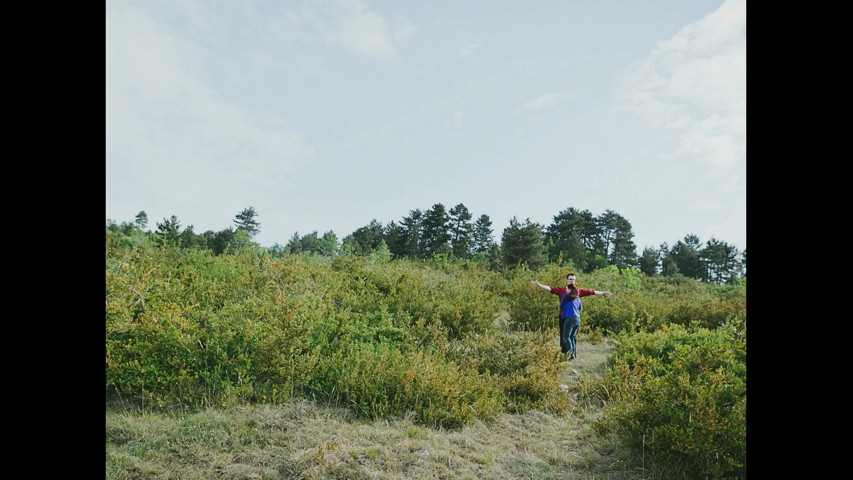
column 571, row 287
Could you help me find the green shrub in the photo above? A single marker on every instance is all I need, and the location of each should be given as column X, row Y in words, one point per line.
column 185, row 328
column 190, row 329
column 680, row 395
column 525, row 365
column 531, row 308
column 378, row 380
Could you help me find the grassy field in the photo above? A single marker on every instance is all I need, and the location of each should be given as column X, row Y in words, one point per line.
column 305, row 439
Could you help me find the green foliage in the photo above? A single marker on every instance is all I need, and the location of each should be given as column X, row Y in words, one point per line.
column 531, row 308
column 435, row 233
column 482, row 234
column 526, row 364
column 170, row 231
column 523, row 244
column 187, row 328
column 379, row 380
column 679, row 394
column 649, row 262
column 245, row 221
column 190, row 328
column 641, row 303
column 365, row 239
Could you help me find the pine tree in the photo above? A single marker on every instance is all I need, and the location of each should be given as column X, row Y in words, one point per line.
column 365, row 238
column 483, row 239
column 395, row 239
column 649, row 261
column 245, row 221
column 461, row 231
column 523, row 243
column 436, row 231
column 575, row 235
column 141, row 221
column 411, row 240
column 170, row 230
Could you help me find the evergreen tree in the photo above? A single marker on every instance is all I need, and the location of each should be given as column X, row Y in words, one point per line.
column 649, row 261
column 222, row 241
column 575, row 236
column 365, row 238
column 483, row 238
column 189, row 239
column 206, row 239
column 395, row 239
column 668, row 267
column 624, row 252
column 461, row 231
column 294, row 245
column 523, row 243
column 720, row 261
column 328, row 244
column 141, row 220
column 170, row 231
column 436, row 231
column 491, row 257
column 571, row 237
column 685, row 255
column 308, row 243
column 411, row 240
column 245, row 221
column 616, row 239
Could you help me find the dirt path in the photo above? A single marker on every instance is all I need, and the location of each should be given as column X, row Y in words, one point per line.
column 591, row 359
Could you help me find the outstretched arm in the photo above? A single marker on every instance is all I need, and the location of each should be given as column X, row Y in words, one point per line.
column 585, row 292
column 534, row 283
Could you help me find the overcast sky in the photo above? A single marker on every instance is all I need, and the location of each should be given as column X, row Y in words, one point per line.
column 326, row 114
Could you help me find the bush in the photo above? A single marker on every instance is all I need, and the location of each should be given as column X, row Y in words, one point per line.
column 185, row 328
column 680, row 395
column 525, row 364
column 378, row 380
column 531, row 308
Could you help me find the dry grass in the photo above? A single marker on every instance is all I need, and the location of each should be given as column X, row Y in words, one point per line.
column 304, row 439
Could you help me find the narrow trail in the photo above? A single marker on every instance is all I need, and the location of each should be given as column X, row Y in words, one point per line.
column 591, row 359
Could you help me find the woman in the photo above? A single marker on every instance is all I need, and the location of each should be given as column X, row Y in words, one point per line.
column 570, row 306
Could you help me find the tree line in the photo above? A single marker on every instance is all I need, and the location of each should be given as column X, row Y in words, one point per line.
column 585, row 240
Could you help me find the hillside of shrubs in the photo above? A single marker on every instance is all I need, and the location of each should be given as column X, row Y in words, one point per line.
column 447, row 341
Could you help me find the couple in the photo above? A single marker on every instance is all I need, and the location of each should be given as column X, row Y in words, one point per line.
column 570, row 310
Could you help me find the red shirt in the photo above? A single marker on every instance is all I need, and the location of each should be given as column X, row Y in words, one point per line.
column 560, row 291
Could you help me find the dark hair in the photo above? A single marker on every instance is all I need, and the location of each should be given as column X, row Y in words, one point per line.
column 572, row 291
column 570, row 275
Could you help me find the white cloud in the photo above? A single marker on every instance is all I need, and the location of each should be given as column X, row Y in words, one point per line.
column 695, row 83
column 545, row 101
column 689, row 94
column 175, row 135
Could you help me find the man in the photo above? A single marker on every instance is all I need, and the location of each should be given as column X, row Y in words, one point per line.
column 570, row 310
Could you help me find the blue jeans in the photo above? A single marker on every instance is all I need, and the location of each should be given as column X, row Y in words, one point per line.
column 569, row 332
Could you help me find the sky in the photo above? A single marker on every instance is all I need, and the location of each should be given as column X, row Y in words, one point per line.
column 323, row 115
